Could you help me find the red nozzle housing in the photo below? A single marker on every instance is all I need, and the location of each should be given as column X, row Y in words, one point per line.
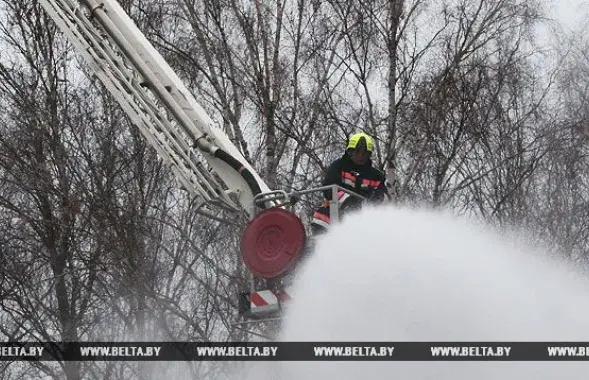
column 272, row 242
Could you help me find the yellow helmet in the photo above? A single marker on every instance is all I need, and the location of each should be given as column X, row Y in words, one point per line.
column 361, row 140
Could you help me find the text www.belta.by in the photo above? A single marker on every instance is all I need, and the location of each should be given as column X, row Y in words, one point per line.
column 354, row 351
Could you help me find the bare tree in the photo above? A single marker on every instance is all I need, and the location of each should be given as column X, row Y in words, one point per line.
column 49, row 270
column 98, row 241
column 470, row 99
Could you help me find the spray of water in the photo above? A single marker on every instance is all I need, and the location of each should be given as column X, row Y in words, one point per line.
column 395, row 274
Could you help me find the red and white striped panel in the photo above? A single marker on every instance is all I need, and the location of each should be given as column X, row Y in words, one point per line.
column 267, row 301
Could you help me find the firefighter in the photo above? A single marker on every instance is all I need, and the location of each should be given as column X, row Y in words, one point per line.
column 353, row 171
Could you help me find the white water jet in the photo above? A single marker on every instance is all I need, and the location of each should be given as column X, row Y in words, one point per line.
column 399, row 274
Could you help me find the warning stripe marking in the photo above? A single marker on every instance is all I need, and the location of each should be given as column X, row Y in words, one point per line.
column 257, row 299
column 267, row 297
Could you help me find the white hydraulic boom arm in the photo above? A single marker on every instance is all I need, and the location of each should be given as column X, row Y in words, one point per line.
column 201, row 155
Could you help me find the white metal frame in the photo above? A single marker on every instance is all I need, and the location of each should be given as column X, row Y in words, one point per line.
column 155, row 99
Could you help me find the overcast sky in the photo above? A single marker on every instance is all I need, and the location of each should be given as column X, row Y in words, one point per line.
column 570, row 12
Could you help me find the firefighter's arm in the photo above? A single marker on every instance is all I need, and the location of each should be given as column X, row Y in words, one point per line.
column 380, row 192
column 332, row 177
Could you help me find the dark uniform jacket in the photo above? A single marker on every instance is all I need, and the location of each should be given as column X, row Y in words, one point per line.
column 364, row 180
